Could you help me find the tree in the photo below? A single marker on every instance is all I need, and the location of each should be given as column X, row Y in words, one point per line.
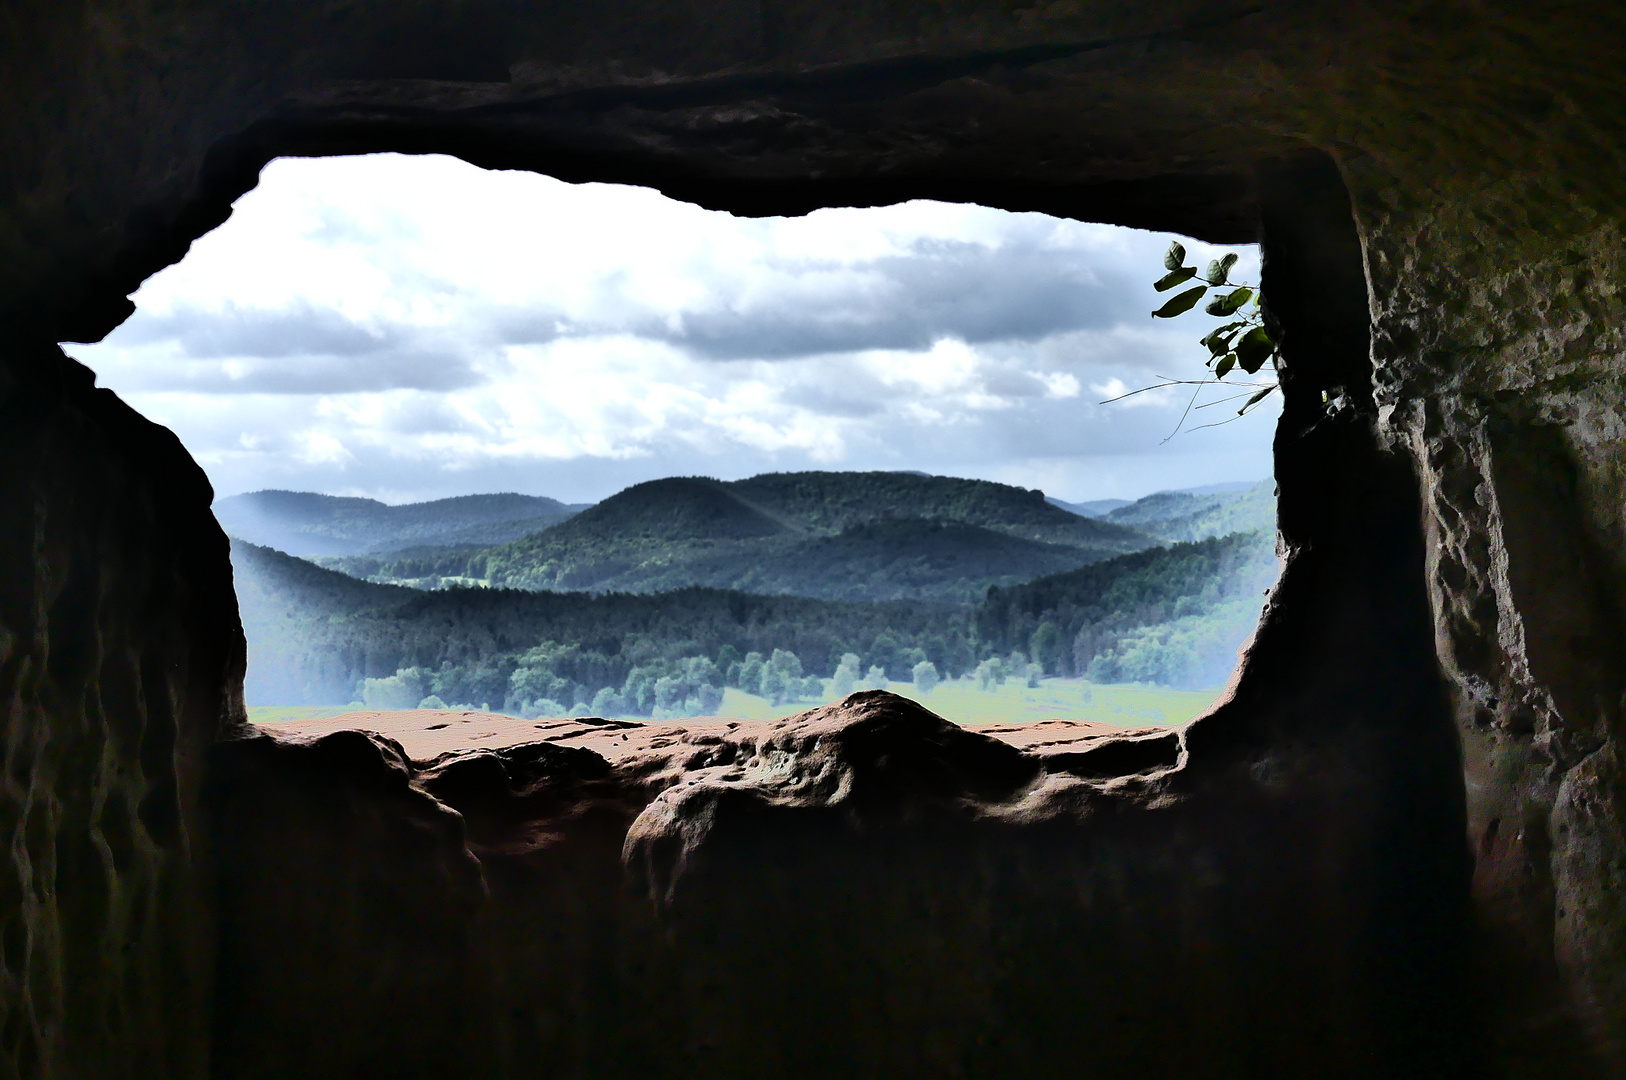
column 990, row 674
column 638, row 693
column 727, row 657
column 1240, row 343
column 533, row 684
column 751, row 673
column 699, row 670
column 782, row 677
column 846, row 675
column 403, row 690
column 670, row 693
column 1047, row 647
column 926, row 677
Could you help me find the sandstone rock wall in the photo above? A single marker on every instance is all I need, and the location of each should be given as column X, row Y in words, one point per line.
column 1498, row 365
column 1424, row 750
column 120, row 663
column 864, row 890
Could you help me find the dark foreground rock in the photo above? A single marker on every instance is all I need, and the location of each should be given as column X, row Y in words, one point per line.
column 865, row 889
column 1395, row 850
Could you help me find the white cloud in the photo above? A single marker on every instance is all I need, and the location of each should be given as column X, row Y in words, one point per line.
column 412, row 327
column 1058, row 384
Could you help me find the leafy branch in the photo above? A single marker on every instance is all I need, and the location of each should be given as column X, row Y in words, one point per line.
column 1240, row 343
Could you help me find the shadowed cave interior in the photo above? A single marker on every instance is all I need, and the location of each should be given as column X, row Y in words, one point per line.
column 1395, row 849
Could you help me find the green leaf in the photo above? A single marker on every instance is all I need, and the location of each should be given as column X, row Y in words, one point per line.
column 1254, row 349
column 1175, row 257
column 1181, row 303
column 1218, row 339
column 1223, row 368
column 1227, row 304
column 1220, row 269
column 1256, row 399
column 1175, row 277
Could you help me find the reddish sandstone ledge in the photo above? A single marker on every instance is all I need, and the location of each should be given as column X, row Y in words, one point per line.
column 426, row 734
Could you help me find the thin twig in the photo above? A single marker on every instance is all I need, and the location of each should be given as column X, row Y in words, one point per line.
column 1240, row 413
column 1187, row 413
column 1217, row 423
column 1233, row 397
column 1157, row 386
column 1178, row 382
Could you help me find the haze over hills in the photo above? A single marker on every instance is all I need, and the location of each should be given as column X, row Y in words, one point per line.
column 1171, row 616
column 1095, row 508
column 871, row 535
column 314, row 634
column 306, row 524
column 1154, row 513
column 638, row 590
column 1198, row 514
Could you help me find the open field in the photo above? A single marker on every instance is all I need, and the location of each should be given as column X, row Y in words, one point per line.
column 289, row 714
column 958, row 700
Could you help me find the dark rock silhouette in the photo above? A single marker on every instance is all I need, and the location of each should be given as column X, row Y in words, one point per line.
column 1395, row 849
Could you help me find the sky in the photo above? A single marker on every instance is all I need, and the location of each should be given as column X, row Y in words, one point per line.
column 410, row 328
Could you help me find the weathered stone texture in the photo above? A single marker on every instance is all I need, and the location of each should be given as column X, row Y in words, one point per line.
column 862, row 890
column 119, row 663
column 1439, row 189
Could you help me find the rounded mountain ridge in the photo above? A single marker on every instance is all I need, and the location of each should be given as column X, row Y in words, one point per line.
column 678, row 508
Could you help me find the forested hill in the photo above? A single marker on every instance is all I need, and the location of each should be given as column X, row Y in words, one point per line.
column 314, row 634
column 1198, row 515
column 830, row 502
column 1170, row 616
column 1253, row 510
column 304, row 523
column 821, row 534
column 272, row 583
column 1173, row 615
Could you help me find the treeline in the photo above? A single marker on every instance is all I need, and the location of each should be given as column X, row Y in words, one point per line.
column 1169, row 616
column 888, row 559
column 560, row 680
column 309, row 645
column 836, row 536
column 1173, row 616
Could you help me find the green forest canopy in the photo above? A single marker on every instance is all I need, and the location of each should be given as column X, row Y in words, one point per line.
column 1171, row 616
column 864, row 535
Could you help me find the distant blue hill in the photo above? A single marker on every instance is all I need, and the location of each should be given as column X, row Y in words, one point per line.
column 307, row 524
column 1095, row 508
column 1191, row 513
column 834, row 535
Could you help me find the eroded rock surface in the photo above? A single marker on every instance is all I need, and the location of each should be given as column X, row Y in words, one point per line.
column 1397, row 841
column 862, row 889
column 120, row 664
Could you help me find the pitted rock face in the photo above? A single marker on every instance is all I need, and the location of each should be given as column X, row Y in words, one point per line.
column 862, row 887
column 873, row 755
column 1394, row 840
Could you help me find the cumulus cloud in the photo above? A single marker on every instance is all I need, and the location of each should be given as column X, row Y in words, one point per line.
column 415, row 327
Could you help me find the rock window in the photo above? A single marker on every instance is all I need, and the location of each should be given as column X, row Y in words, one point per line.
column 499, row 452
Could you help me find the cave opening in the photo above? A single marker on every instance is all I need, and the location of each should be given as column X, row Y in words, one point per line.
column 915, row 440
column 1394, row 848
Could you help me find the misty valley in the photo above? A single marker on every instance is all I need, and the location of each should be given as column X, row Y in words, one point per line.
column 751, row 599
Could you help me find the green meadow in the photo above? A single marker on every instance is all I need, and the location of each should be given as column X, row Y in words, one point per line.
column 289, row 714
